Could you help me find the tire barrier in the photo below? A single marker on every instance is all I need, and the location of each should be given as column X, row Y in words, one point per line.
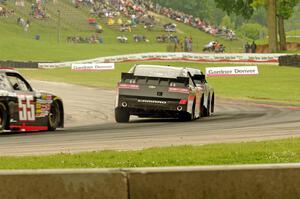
column 243, row 182
column 18, row 64
column 289, row 60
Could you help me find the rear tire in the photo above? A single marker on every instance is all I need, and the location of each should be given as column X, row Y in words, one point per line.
column 185, row 116
column 54, row 116
column 212, row 109
column 121, row 115
column 3, row 117
column 207, row 113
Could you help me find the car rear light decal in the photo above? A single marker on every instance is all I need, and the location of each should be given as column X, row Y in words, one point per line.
column 178, row 90
column 183, row 101
column 129, row 86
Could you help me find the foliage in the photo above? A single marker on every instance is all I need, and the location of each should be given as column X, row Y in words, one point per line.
column 285, row 8
column 238, row 7
column 251, row 30
column 226, row 21
column 293, row 22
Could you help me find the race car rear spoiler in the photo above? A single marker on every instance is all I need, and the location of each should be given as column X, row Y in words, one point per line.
column 130, row 76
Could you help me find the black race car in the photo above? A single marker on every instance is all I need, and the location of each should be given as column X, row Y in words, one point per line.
column 24, row 109
column 163, row 91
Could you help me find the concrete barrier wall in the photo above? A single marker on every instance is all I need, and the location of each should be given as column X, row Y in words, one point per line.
column 257, row 181
column 66, row 184
column 217, row 182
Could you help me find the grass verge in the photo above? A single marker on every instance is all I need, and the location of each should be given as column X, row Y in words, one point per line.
column 279, row 151
column 274, row 83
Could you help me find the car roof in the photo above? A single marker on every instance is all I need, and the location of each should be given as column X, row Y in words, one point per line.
column 8, row 70
column 194, row 71
column 179, row 71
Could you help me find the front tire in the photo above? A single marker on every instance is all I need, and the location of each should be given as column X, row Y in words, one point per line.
column 54, row 116
column 121, row 115
column 3, row 117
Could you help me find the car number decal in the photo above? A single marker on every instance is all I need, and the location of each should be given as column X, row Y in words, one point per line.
column 26, row 108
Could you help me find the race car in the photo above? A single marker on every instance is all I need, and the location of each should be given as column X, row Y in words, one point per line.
column 208, row 93
column 163, row 92
column 24, row 109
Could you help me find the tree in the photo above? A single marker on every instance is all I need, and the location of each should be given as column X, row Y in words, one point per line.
column 285, row 11
column 250, row 30
column 272, row 26
column 226, row 21
column 245, row 8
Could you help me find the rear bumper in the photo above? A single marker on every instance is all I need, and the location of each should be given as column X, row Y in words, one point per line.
column 139, row 105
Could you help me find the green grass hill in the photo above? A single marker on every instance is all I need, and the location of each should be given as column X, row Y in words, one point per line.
column 16, row 44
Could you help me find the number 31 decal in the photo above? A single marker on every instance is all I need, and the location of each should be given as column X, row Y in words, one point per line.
column 26, row 108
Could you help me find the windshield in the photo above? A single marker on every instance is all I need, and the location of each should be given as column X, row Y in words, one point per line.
column 159, row 71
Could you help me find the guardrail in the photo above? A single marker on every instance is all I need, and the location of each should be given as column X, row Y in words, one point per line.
column 248, row 181
column 185, row 57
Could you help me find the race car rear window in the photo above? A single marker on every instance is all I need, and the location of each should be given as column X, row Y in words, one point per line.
column 158, row 71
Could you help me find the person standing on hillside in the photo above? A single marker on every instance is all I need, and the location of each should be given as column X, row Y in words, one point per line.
column 253, row 47
column 247, row 47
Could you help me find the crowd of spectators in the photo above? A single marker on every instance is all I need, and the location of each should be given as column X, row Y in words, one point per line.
column 195, row 22
column 5, row 12
column 38, row 9
column 120, row 12
column 137, row 11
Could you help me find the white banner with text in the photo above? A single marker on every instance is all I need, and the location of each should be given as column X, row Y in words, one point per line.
column 93, row 66
column 231, row 71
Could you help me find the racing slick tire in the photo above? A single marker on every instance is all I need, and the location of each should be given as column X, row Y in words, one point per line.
column 54, row 116
column 121, row 115
column 212, row 108
column 206, row 111
column 185, row 116
column 202, row 108
column 3, row 117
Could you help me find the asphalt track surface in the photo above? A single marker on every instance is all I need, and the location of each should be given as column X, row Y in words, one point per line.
column 90, row 126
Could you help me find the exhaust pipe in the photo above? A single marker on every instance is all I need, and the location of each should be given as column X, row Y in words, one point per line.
column 179, row 108
column 124, row 104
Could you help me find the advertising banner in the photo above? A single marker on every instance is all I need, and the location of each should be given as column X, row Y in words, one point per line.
column 93, row 66
column 231, row 71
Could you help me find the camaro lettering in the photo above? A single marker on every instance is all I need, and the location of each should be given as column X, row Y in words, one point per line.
column 152, row 101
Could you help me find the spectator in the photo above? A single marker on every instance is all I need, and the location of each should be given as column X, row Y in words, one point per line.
column 186, row 43
column 247, row 47
column 253, row 47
